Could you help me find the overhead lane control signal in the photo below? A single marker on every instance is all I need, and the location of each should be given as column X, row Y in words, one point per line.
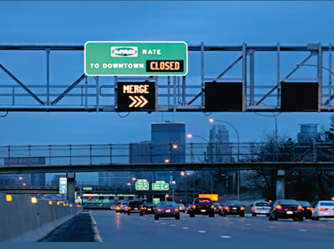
column 136, row 96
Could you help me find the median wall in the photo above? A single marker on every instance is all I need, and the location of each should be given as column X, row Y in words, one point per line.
column 22, row 220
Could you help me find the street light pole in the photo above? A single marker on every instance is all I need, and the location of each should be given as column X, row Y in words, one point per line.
column 238, row 151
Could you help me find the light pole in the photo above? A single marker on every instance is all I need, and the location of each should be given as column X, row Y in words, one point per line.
column 211, row 120
column 211, row 185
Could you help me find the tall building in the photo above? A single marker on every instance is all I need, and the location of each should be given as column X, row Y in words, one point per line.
column 140, row 152
column 219, row 149
column 115, row 179
column 168, row 145
column 308, row 133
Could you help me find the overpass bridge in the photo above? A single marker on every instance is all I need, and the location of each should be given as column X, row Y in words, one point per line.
column 73, row 159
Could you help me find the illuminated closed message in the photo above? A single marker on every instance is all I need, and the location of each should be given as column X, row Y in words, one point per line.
column 136, row 96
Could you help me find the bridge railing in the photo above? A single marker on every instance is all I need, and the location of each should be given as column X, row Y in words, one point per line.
column 147, row 153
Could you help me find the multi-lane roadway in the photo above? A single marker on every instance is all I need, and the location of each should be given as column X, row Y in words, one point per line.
column 133, row 229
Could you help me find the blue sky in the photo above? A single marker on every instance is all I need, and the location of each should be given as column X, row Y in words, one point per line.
column 214, row 23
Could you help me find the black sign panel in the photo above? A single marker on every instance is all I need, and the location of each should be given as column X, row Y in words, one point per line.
column 136, row 96
column 220, row 97
column 299, row 97
column 164, row 66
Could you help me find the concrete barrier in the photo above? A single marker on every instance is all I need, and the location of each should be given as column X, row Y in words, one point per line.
column 21, row 220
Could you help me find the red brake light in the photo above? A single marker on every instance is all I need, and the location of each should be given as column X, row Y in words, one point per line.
column 300, row 207
column 322, row 209
column 220, row 207
column 212, row 206
column 254, row 208
column 176, row 209
column 194, row 206
column 279, row 207
column 129, row 207
column 159, row 210
column 227, row 208
column 309, row 208
column 242, row 208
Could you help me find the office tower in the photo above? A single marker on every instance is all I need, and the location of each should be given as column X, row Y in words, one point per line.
column 219, row 149
column 168, row 146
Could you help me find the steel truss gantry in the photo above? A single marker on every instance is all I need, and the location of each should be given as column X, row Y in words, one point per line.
column 175, row 94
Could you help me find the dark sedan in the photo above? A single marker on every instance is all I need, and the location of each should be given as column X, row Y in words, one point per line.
column 147, row 208
column 167, row 209
column 286, row 209
column 307, row 209
column 217, row 208
column 203, row 206
column 233, row 208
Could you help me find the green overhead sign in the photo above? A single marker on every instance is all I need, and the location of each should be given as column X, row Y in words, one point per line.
column 156, row 200
column 136, row 58
column 160, row 185
column 142, row 184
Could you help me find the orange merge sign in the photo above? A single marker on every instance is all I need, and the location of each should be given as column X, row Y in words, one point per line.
column 213, row 197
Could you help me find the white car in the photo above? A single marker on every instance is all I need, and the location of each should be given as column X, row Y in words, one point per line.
column 261, row 207
column 323, row 209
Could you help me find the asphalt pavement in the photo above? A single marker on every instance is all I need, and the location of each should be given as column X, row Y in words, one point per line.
column 122, row 229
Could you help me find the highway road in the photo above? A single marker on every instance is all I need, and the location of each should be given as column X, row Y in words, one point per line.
column 203, row 231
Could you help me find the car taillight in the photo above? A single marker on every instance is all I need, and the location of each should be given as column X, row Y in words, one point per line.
column 194, row 206
column 322, row 209
column 227, row 208
column 279, row 207
column 309, row 208
column 118, row 208
column 220, row 207
column 212, row 206
column 159, row 210
column 254, row 208
column 129, row 207
column 242, row 208
column 300, row 207
column 176, row 209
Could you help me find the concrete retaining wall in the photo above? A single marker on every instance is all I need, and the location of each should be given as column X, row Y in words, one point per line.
column 21, row 220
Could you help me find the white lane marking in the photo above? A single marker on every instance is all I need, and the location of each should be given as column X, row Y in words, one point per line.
column 271, row 226
column 172, row 225
column 185, row 227
column 247, row 224
column 96, row 230
column 163, row 223
column 302, row 230
column 230, row 222
column 156, row 221
column 201, row 231
column 225, row 236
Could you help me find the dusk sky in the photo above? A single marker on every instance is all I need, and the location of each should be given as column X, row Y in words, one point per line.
column 214, row 23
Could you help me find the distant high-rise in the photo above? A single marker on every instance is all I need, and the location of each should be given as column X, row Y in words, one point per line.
column 308, row 133
column 115, row 179
column 219, row 149
column 168, row 145
column 140, row 152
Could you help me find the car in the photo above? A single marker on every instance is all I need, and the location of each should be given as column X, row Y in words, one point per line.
column 286, row 209
column 123, row 207
column 260, row 207
column 147, row 208
column 167, row 209
column 323, row 209
column 113, row 207
column 182, row 208
column 134, row 207
column 118, row 207
column 307, row 209
column 217, row 208
column 233, row 208
column 203, row 206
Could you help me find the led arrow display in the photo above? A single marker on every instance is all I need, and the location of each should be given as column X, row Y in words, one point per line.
column 136, row 96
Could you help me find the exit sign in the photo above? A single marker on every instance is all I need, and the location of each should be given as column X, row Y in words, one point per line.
column 111, row 58
column 160, row 185
column 142, row 184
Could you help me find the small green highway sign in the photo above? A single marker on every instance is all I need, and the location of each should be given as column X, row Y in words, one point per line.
column 160, row 185
column 62, row 185
column 156, row 200
column 109, row 58
column 142, row 184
